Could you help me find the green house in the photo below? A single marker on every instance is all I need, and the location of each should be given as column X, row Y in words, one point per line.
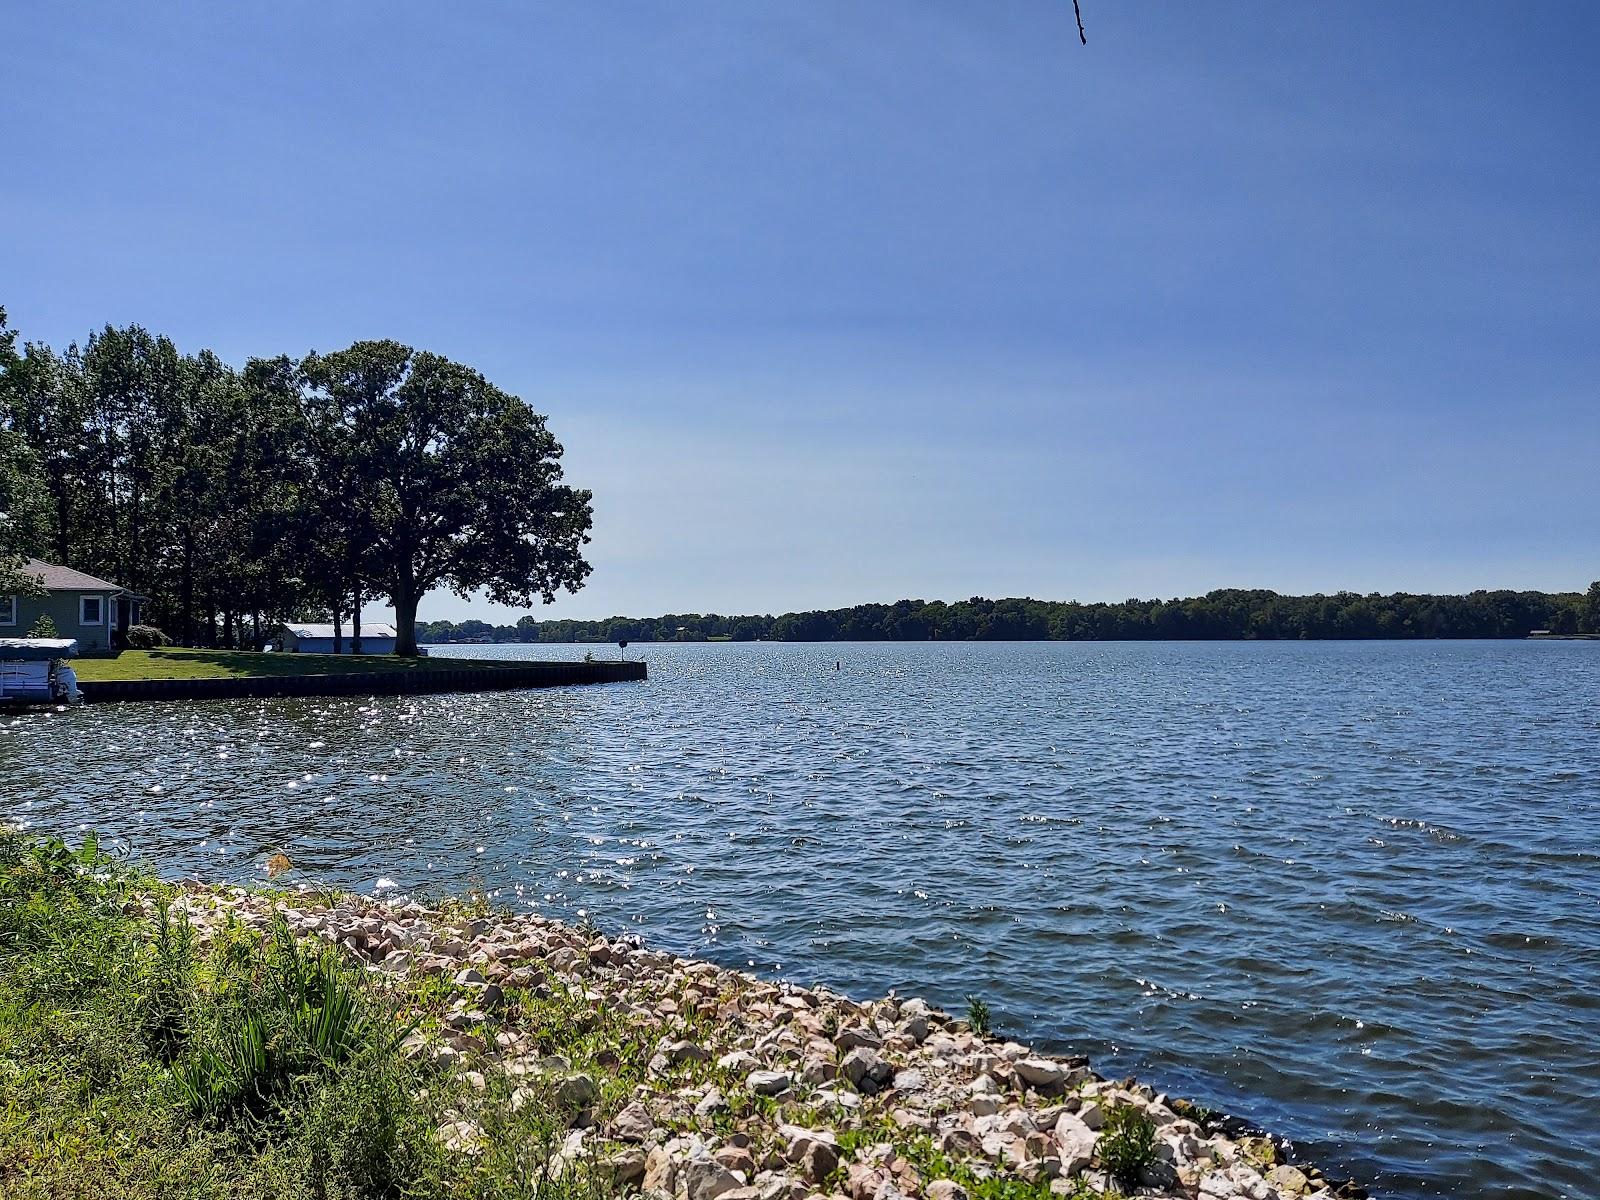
column 93, row 611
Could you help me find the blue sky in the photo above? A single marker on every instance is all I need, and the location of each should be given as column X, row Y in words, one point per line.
column 834, row 302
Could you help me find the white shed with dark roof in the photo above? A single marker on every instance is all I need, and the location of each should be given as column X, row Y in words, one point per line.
column 302, row 638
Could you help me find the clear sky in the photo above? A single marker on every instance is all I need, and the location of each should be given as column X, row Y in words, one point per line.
column 834, row 302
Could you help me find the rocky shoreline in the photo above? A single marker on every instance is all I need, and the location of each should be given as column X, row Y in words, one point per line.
column 739, row 1088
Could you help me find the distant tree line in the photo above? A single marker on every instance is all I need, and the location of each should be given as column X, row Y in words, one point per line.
column 290, row 489
column 1229, row 614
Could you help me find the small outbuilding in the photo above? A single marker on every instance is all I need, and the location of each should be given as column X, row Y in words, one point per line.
column 300, row 638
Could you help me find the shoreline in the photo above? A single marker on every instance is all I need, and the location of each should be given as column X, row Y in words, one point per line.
column 760, row 1090
column 446, row 677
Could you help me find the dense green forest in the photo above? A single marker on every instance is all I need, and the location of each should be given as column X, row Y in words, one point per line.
column 1230, row 614
column 293, row 488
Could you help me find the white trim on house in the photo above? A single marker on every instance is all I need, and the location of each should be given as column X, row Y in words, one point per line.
column 83, row 602
column 8, row 610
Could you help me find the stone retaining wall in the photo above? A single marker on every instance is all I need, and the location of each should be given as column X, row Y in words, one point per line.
column 371, row 683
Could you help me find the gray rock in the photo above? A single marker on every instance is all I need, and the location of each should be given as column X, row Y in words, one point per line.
column 712, row 1103
column 946, row 1189
column 633, row 1124
column 1076, row 1141
column 660, row 1172
column 959, row 1142
column 1045, row 1076
column 853, row 1036
column 814, row 1151
column 626, row 1166
column 865, row 1071
column 768, row 1083
column 576, row 1091
column 1291, row 1181
column 916, row 1028
column 704, row 1179
column 685, row 1051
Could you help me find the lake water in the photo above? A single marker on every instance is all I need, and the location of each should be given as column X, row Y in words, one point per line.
column 1349, row 891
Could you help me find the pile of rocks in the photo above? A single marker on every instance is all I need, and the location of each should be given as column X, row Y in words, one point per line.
column 836, row 1099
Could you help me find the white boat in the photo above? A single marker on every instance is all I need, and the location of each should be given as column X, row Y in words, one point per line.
column 34, row 670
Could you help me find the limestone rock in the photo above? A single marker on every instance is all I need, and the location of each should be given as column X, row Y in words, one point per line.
column 633, row 1123
column 814, row 1151
column 576, row 1091
column 660, row 1172
column 1291, row 1181
column 1044, row 1075
column 768, row 1083
column 741, row 1061
column 856, row 1036
column 865, row 1071
column 704, row 1179
column 737, row 1159
column 626, row 1166
column 1076, row 1143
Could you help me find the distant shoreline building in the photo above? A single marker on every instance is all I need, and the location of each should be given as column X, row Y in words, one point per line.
column 302, row 638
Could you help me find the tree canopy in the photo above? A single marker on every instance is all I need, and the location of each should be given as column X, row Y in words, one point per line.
column 1228, row 614
column 450, row 482
column 288, row 489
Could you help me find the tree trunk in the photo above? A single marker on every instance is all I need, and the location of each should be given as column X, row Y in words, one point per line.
column 338, row 631
column 186, row 591
column 355, row 619
column 405, row 623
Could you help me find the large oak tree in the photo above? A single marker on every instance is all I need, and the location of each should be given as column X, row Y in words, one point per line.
column 450, row 481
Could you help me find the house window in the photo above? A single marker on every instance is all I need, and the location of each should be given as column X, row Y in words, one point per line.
column 91, row 610
column 8, row 610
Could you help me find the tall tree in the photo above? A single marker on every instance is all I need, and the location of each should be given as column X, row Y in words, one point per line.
column 456, row 483
column 21, row 499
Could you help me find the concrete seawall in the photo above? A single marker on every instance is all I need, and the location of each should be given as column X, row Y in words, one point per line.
column 371, row 683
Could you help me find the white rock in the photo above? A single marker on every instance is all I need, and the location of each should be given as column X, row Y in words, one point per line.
column 1044, row 1075
column 704, row 1179
column 768, row 1083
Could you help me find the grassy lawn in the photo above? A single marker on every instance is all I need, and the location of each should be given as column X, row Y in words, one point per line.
column 138, row 1061
column 176, row 662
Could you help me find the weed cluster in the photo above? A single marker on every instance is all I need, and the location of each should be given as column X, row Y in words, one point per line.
column 136, row 1062
column 1127, row 1145
column 978, row 1016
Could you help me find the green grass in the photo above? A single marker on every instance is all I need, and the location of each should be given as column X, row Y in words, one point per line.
column 177, row 662
column 137, row 1062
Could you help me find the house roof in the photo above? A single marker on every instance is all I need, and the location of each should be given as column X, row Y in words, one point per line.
column 65, row 579
column 368, row 630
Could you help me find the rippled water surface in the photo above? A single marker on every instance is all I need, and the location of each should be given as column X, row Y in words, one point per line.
column 1350, row 891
